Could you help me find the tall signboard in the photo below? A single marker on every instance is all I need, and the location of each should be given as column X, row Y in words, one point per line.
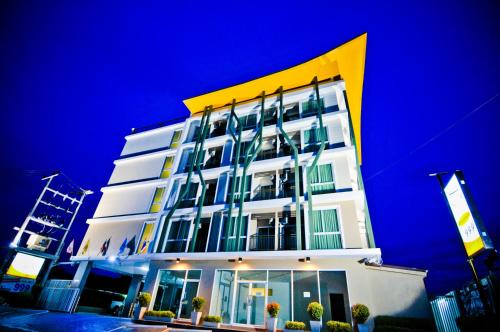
column 469, row 223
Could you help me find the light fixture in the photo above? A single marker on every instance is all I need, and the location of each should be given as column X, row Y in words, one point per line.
column 305, row 260
column 112, row 259
column 240, row 260
column 308, row 259
column 178, row 260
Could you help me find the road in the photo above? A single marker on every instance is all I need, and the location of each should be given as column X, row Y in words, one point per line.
column 17, row 320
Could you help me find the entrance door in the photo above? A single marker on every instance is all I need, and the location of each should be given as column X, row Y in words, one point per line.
column 250, row 303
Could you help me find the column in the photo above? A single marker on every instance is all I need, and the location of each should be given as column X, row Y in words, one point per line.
column 135, row 285
column 81, row 275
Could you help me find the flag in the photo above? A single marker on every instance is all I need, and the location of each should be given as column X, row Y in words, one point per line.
column 123, row 247
column 86, row 247
column 69, row 250
column 105, row 246
column 131, row 245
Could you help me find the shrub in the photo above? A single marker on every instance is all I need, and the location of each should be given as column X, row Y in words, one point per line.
column 360, row 313
column 389, row 323
column 315, row 310
column 154, row 313
column 198, row 303
column 273, row 309
column 291, row 325
column 335, row 326
column 212, row 319
column 144, row 299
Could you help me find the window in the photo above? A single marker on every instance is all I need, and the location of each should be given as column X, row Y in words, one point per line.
column 248, row 121
column 291, row 112
column 189, row 199
column 232, row 238
column 326, row 230
column 178, row 235
column 310, row 107
column 176, row 138
column 176, row 290
column 270, row 116
column 147, row 235
column 322, row 179
column 167, row 167
column 313, row 138
column 247, row 191
column 157, row 199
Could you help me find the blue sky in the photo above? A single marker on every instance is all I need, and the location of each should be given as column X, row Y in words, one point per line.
column 75, row 76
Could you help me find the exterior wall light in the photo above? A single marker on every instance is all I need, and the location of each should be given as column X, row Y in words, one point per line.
column 178, row 260
column 240, row 260
column 305, row 260
column 112, row 259
column 308, row 259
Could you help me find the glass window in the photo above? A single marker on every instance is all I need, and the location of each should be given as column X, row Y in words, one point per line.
column 305, row 290
column 254, row 275
column 147, row 235
column 310, row 107
column 248, row 188
column 326, row 230
column 322, row 179
column 167, row 167
column 178, row 235
column 157, row 199
column 176, row 138
column 279, row 290
column 170, row 294
column 194, row 274
column 222, row 298
column 232, row 240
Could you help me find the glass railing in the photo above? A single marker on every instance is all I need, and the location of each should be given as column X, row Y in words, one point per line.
column 176, row 245
column 265, row 192
column 261, row 242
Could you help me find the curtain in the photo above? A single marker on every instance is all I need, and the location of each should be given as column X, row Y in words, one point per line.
column 325, row 223
column 322, row 179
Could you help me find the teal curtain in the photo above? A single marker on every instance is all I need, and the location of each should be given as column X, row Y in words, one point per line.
column 322, row 179
column 323, row 224
column 232, row 237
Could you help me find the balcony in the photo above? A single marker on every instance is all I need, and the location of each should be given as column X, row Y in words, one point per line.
column 265, row 186
column 219, row 128
column 286, row 241
column 176, row 245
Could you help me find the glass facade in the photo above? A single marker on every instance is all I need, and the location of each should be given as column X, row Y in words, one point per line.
column 240, row 297
column 176, row 289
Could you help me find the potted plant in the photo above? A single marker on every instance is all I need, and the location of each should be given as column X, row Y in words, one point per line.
column 273, row 310
column 212, row 321
column 291, row 326
column 360, row 314
column 315, row 311
column 143, row 300
column 335, row 326
column 164, row 316
column 197, row 303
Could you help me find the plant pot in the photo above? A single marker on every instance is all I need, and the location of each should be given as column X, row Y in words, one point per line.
column 272, row 323
column 315, row 325
column 363, row 327
column 159, row 319
column 211, row 324
column 287, row 330
column 195, row 317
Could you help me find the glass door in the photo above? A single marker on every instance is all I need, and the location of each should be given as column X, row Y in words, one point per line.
column 250, row 303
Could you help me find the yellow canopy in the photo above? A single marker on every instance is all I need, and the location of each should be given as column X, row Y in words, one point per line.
column 347, row 60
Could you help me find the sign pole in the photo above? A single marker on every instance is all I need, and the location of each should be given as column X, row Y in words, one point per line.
column 470, row 260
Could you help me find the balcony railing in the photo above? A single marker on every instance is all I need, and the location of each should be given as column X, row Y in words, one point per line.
column 176, row 245
column 286, row 241
column 265, row 192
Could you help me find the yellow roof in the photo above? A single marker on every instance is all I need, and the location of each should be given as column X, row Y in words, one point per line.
column 347, row 60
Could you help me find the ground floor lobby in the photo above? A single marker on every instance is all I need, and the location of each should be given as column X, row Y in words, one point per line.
column 238, row 292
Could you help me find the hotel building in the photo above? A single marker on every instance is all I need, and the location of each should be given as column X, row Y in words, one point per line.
column 255, row 198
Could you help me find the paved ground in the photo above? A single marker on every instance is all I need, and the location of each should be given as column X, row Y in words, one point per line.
column 17, row 320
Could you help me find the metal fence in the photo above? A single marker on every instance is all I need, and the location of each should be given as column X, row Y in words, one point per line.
column 446, row 311
column 58, row 295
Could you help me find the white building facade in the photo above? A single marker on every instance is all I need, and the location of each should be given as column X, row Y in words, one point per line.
column 299, row 228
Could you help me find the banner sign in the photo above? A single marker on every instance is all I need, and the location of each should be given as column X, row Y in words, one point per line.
column 25, row 266
column 16, row 285
column 466, row 217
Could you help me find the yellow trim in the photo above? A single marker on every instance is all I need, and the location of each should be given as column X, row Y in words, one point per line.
column 347, row 60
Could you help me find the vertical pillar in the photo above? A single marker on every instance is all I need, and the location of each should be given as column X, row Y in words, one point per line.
column 133, row 289
column 81, row 275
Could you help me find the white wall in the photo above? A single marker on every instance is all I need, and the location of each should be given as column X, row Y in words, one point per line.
column 121, row 201
column 150, row 140
column 144, row 167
